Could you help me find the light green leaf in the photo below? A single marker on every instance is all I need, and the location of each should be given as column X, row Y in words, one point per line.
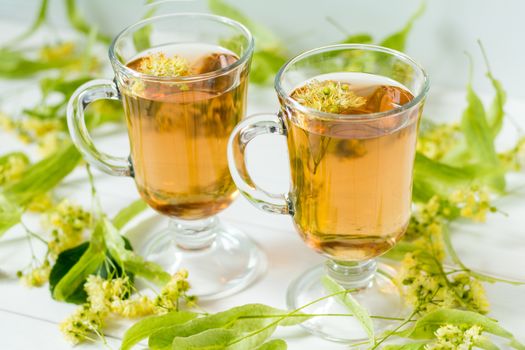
column 410, row 346
column 149, row 325
column 10, row 214
column 427, row 325
column 42, row 176
column 141, row 38
column 128, row 213
column 210, row 339
column 274, row 344
column 266, row 40
column 245, row 319
column 485, row 343
column 360, row 313
column 88, row 264
column 360, row 38
column 128, row 259
column 37, row 23
column 79, row 23
column 397, row 41
column 479, row 136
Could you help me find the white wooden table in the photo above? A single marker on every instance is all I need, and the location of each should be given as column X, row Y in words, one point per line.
column 29, row 318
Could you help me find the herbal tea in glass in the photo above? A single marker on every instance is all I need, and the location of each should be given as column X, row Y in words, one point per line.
column 351, row 183
column 350, row 115
column 183, row 93
column 179, row 132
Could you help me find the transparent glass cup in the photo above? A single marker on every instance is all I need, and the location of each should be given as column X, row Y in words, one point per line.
column 351, row 182
column 178, row 131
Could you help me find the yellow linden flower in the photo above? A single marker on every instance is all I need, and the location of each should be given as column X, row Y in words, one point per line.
column 41, row 203
column 6, row 122
column 40, row 127
column 68, row 223
column 13, row 168
column 328, row 96
column 438, row 140
column 83, row 324
column 57, row 52
column 159, row 65
column 49, row 143
column 38, row 276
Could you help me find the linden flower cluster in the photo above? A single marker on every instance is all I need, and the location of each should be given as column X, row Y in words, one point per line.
column 328, row 96
column 68, row 222
column 514, row 159
column 428, row 288
column 451, row 337
column 12, row 168
column 473, row 203
column 159, row 65
column 37, row 276
column 438, row 140
column 106, row 297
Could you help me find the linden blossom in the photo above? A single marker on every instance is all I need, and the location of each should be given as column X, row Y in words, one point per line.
column 328, row 96
column 159, row 65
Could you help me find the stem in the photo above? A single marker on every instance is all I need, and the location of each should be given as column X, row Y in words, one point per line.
column 455, row 258
column 392, row 332
column 322, row 315
column 95, row 201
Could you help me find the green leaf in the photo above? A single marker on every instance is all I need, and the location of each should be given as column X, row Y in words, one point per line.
column 485, row 343
column 128, row 213
column 129, row 260
column 361, row 38
column 42, row 176
column 210, row 339
column 10, row 214
column 65, row 261
column 265, row 38
column 410, row 346
column 14, row 64
column 496, row 113
column 89, row 263
column 244, row 319
column 269, row 53
column 79, row 23
column 37, row 23
column 69, row 258
column 427, row 325
column 149, row 325
column 141, row 38
column 397, row 41
column 399, row 251
column 274, row 344
column 479, row 136
column 265, row 65
column 360, row 313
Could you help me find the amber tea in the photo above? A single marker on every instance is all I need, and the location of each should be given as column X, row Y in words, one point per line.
column 351, row 181
column 179, row 130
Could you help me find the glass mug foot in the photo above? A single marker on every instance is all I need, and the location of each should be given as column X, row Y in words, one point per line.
column 221, row 260
column 375, row 291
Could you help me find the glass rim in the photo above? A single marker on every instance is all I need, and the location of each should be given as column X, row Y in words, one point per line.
column 366, row 47
column 190, row 78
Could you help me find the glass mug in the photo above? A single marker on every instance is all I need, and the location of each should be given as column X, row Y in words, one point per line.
column 178, row 130
column 351, row 180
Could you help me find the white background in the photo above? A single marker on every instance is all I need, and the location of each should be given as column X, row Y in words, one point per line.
column 29, row 317
column 439, row 39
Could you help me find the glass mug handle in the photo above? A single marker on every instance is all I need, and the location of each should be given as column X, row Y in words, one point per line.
column 244, row 132
column 89, row 92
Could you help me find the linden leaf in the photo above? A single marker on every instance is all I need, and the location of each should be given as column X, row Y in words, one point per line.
column 360, row 313
column 149, row 325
